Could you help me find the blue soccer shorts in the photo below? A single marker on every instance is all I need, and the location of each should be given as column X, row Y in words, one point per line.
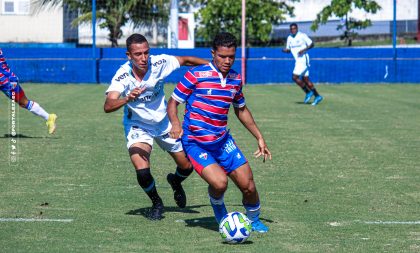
column 225, row 153
column 12, row 90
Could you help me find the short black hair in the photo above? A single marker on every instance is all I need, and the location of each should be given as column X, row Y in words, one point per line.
column 224, row 39
column 293, row 24
column 135, row 38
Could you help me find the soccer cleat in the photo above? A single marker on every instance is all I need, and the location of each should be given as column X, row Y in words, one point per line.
column 259, row 227
column 51, row 123
column 317, row 100
column 156, row 212
column 308, row 97
column 179, row 193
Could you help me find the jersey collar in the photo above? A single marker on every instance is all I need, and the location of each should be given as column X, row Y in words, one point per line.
column 222, row 79
column 146, row 76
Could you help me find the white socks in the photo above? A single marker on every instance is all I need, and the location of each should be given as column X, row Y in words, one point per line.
column 36, row 109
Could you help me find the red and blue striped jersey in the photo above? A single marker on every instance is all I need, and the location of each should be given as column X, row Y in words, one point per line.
column 6, row 75
column 208, row 97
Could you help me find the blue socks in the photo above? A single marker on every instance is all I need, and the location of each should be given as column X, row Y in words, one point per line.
column 253, row 211
column 219, row 207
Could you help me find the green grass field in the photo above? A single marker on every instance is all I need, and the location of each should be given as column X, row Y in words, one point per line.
column 345, row 176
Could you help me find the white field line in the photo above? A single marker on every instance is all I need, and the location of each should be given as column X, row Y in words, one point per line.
column 33, row 220
column 393, row 222
column 378, row 222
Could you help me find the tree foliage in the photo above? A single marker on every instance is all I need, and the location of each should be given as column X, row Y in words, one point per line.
column 114, row 14
column 343, row 9
column 221, row 15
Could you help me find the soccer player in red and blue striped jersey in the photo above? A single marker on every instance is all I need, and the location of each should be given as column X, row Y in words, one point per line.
column 209, row 91
column 9, row 85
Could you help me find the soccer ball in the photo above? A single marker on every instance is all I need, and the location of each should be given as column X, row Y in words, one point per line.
column 235, row 227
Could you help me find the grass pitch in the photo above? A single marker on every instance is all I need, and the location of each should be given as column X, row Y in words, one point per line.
column 344, row 176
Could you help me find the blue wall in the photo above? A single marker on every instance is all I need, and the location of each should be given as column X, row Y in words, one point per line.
column 264, row 65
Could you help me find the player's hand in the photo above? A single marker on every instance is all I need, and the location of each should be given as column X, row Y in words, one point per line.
column 285, row 50
column 176, row 131
column 135, row 93
column 302, row 52
column 262, row 150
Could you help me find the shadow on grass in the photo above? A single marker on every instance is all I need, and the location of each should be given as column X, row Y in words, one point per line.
column 204, row 222
column 236, row 244
column 17, row 136
column 146, row 210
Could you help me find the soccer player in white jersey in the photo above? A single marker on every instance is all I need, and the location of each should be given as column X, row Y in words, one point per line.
column 138, row 87
column 298, row 44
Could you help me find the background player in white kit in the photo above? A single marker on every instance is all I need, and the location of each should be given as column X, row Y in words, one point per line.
column 138, row 86
column 298, row 44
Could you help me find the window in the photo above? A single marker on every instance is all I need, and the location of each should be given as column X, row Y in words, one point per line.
column 16, row 7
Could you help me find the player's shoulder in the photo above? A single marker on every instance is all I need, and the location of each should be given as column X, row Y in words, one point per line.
column 160, row 59
column 302, row 34
column 201, row 70
column 122, row 73
column 234, row 75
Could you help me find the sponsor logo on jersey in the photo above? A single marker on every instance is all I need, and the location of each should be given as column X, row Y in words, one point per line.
column 204, row 73
column 232, row 92
column 156, row 91
column 203, row 156
column 232, row 75
column 121, row 77
column 159, row 62
column 209, row 92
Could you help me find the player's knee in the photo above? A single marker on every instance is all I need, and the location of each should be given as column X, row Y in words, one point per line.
column 220, row 186
column 184, row 164
column 23, row 102
column 295, row 78
column 249, row 189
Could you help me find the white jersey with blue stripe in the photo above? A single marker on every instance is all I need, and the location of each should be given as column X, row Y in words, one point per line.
column 149, row 109
column 296, row 43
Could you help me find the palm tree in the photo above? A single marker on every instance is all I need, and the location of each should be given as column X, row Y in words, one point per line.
column 114, row 14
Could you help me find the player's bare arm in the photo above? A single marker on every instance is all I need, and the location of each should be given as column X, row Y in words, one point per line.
column 244, row 115
column 191, row 61
column 113, row 101
column 172, row 110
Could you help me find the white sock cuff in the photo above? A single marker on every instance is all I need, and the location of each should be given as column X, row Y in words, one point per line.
column 38, row 110
column 219, row 201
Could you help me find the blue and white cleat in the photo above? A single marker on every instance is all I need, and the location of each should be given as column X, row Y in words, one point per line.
column 308, row 97
column 317, row 100
column 259, row 227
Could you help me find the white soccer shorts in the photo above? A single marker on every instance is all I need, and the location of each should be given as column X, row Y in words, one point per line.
column 301, row 69
column 135, row 134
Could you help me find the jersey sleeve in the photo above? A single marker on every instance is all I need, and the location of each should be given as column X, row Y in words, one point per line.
column 239, row 99
column 185, row 87
column 170, row 63
column 307, row 40
column 116, row 85
column 288, row 43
